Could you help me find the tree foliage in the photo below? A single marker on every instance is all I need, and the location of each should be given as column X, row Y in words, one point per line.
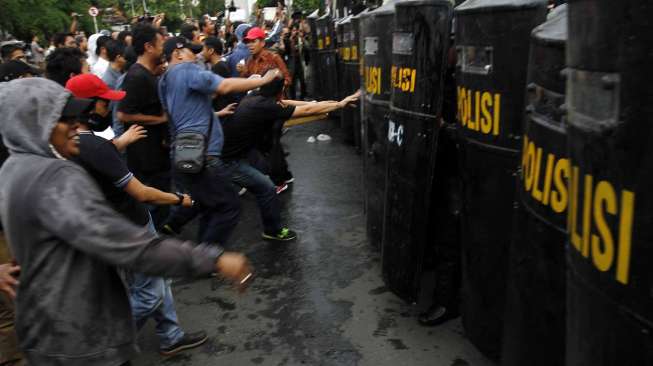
column 24, row 18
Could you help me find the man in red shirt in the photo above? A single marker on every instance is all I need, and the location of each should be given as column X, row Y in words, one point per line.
column 262, row 60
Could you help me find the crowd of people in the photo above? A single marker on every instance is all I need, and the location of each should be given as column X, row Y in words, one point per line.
column 92, row 224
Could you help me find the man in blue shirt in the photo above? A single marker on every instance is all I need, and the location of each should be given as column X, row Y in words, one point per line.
column 186, row 92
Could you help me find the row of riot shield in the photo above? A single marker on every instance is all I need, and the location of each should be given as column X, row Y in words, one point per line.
column 550, row 150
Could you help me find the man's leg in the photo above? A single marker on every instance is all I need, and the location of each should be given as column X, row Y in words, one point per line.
column 9, row 352
column 279, row 172
column 264, row 189
column 219, row 200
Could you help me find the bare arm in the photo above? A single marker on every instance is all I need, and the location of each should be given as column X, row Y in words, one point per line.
column 146, row 194
column 73, row 24
column 239, row 85
column 310, row 109
column 144, row 119
column 295, row 103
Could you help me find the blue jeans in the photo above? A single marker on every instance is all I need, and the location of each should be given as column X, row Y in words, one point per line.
column 216, row 200
column 150, row 296
column 245, row 175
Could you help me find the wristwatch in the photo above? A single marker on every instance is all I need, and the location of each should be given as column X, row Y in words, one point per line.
column 181, row 198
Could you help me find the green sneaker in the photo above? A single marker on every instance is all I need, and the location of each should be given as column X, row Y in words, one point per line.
column 284, row 234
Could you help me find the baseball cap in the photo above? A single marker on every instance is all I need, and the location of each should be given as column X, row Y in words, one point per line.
column 14, row 69
column 177, row 43
column 76, row 107
column 255, row 33
column 91, row 86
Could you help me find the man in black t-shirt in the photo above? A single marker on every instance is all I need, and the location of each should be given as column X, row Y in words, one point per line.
column 150, row 296
column 254, row 116
column 148, row 158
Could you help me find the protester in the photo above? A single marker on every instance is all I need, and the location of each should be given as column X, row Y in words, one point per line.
column 295, row 56
column 212, row 53
column 116, row 56
column 64, row 63
column 130, row 58
column 186, row 91
column 261, row 59
column 92, row 45
column 13, row 51
column 148, row 159
column 150, row 296
column 190, row 32
column 64, row 40
column 102, row 63
column 207, row 27
column 37, row 52
column 68, row 240
column 125, row 36
column 82, row 42
column 240, row 52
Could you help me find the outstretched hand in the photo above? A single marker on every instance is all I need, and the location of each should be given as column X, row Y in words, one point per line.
column 351, row 99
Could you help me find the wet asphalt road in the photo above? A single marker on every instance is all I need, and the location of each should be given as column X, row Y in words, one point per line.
column 319, row 300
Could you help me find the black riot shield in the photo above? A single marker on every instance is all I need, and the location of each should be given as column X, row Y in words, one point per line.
column 534, row 327
column 354, row 65
column 327, row 56
column 376, row 42
column 346, row 78
column 610, row 221
column 314, row 81
column 492, row 42
column 419, row 46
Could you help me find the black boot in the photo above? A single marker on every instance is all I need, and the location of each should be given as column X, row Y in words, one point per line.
column 436, row 315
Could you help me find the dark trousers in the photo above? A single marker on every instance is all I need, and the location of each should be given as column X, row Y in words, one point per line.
column 216, row 201
column 297, row 73
column 245, row 175
column 163, row 182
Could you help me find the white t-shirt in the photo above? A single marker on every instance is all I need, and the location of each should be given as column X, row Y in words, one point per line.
column 100, row 67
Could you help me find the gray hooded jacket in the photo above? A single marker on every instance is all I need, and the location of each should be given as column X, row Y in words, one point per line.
column 72, row 307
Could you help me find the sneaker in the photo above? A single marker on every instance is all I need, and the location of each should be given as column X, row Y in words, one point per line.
column 284, row 234
column 281, row 188
column 289, row 178
column 242, row 191
column 188, row 341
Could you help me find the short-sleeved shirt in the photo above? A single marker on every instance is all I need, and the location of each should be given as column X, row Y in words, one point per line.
column 149, row 155
column 219, row 103
column 254, row 116
column 103, row 161
column 186, row 92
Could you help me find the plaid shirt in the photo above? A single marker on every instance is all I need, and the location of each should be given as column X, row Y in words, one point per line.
column 265, row 61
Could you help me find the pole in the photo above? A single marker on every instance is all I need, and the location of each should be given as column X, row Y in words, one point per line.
column 145, row 7
column 95, row 24
column 133, row 11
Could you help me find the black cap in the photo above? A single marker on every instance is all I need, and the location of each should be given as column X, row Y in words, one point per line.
column 177, row 43
column 76, row 107
column 14, row 69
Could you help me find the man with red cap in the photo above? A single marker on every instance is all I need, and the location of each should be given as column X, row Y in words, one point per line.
column 150, row 296
column 262, row 60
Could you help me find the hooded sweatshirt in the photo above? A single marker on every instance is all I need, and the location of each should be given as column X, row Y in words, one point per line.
column 72, row 307
column 240, row 52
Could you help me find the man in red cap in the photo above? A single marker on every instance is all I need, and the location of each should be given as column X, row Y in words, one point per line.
column 262, row 60
column 150, row 296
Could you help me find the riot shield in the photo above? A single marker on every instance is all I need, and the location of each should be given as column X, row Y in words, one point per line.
column 376, row 42
column 610, row 250
column 534, row 328
column 492, row 42
column 419, row 46
column 314, row 83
